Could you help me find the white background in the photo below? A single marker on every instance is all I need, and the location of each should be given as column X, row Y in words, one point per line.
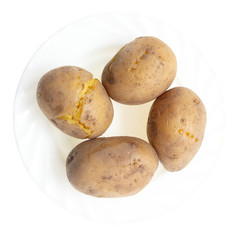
column 213, row 212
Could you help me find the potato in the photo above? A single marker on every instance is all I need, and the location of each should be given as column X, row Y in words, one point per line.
column 111, row 167
column 176, row 125
column 75, row 102
column 141, row 71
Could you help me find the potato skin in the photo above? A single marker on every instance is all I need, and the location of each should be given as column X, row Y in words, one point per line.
column 176, row 126
column 111, row 167
column 75, row 102
column 141, row 71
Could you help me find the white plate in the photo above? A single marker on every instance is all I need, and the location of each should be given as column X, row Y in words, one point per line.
column 90, row 43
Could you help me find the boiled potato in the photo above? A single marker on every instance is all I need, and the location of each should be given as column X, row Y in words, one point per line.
column 111, row 167
column 75, row 102
column 141, row 71
column 176, row 125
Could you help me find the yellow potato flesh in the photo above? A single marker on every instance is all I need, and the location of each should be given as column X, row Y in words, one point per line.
column 75, row 118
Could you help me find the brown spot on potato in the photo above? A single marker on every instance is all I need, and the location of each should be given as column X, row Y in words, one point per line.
column 58, row 109
column 196, row 100
column 112, row 155
column 70, row 158
column 135, row 170
column 106, row 177
column 91, row 191
column 161, row 63
column 53, row 121
column 173, row 156
column 141, row 168
column 132, row 145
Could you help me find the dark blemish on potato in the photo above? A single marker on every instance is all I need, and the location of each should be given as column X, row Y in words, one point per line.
column 182, row 120
column 91, row 190
column 132, row 145
column 53, row 121
column 196, row 100
column 135, row 180
column 70, row 157
column 143, row 56
column 89, row 100
column 58, row 109
column 174, row 156
column 133, row 163
column 137, row 84
column 141, row 167
column 112, row 155
column 162, row 64
column 106, row 178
